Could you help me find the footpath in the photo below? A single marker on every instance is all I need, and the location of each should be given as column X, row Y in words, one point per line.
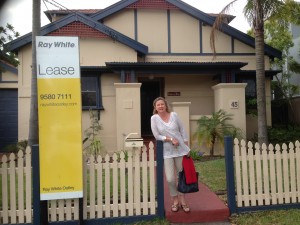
column 206, row 208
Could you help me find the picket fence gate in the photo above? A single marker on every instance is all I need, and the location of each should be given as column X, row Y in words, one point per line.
column 123, row 185
column 262, row 177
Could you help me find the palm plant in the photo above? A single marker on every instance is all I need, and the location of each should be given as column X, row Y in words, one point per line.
column 215, row 128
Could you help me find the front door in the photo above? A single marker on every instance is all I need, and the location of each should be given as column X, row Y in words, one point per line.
column 150, row 90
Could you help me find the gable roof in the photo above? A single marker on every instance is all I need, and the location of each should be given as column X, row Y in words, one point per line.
column 64, row 12
column 93, row 22
column 196, row 13
column 74, row 17
column 7, row 67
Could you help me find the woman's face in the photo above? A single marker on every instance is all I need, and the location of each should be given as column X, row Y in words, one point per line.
column 160, row 106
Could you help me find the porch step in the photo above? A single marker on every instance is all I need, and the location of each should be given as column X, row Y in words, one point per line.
column 205, row 207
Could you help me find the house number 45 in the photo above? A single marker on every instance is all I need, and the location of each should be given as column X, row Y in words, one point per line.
column 234, row 104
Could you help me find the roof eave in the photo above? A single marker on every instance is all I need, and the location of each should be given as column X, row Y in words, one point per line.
column 140, row 48
column 179, row 67
column 112, row 9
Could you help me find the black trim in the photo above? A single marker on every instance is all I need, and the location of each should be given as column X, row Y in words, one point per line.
column 169, row 30
column 268, row 73
column 200, row 54
column 142, row 49
column 112, row 9
column 201, row 37
column 270, row 51
column 175, row 67
column 8, row 67
column 101, row 69
column 115, row 35
column 196, row 13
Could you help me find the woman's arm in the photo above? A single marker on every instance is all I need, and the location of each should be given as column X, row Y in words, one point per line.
column 156, row 133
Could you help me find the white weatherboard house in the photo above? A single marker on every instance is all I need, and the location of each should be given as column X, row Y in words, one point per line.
column 136, row 50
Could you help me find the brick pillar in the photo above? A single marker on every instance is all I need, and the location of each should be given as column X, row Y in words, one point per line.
column 183, row 111
column 128, row 111
column 231, row 98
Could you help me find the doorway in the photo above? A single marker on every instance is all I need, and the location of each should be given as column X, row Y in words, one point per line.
column 150, row 90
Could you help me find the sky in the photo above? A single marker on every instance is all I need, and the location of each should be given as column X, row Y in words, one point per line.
column 19, row 12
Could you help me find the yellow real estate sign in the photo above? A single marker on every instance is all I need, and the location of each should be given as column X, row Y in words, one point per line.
column 59, row 112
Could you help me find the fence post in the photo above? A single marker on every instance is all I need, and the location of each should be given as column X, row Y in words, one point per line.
column 160, row 179
column 40, row 208
column 229, row 164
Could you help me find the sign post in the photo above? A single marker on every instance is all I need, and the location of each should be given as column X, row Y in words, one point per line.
column 59, row 112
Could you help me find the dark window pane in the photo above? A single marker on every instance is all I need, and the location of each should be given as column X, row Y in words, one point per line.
column 89, row 98
column 250, row 88
column 89, row 83
column 91, row 91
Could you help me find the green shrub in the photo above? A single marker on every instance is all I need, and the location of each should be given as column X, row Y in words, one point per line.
column 196, row 155
column 21, row 145
column 282, row 134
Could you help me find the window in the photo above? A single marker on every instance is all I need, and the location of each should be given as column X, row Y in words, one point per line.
column 251, row 86
column 91, row 91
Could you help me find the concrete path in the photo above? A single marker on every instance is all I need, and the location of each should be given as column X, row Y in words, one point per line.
column 206, row 208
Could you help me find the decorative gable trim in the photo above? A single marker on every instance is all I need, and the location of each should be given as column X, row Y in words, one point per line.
column 78, row 29
column 79, row 17
column 236, row 34
column 112, row 9
column 196, row 13
column 153, row 4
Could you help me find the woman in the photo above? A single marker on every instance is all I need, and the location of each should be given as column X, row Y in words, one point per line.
column 167, row 127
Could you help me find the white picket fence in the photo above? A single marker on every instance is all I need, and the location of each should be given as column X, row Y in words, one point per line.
column 16, row 185
column 266, row 175
column 117, row 186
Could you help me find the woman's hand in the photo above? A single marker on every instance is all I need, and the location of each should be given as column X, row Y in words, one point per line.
column 175, row 142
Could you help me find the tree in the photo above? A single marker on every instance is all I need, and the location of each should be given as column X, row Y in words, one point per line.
column 279, row 36
column 257, row 12
column 33, row 137
column 215, row 128
column 7, row 34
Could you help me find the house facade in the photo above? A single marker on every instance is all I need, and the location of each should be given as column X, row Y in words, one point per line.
column 136, row 50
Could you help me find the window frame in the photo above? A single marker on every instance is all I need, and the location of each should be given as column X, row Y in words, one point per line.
column 97, row 77
column 241, row 79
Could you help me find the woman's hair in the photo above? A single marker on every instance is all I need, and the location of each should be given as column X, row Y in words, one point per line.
column 165, row 101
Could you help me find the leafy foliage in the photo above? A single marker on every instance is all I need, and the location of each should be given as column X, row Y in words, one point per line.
column 215, row 128
column 21, row 145
column 196, row 155
column 94, row 145
column 282, row 134
column 278, row 35
column 7, row 34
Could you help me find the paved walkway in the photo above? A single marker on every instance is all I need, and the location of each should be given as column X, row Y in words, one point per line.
column 206, row 208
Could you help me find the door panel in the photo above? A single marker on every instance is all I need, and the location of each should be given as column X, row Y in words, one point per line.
column 150, row 90
column 8, row 117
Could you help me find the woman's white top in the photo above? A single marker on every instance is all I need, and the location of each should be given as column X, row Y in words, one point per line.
column 174, row 129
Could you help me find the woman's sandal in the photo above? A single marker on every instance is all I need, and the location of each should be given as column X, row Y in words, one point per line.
column 175, row 208
column 185, row 208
